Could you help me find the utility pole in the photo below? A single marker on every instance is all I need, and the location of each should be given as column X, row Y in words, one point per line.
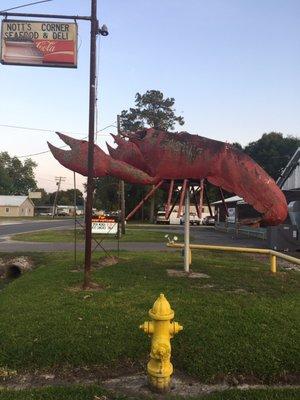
column 187, row 230
column 121, row 188
column 58, row 180
column 90, row 178
column 92, row 105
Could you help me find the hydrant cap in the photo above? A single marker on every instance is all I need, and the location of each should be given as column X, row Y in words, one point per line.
column 161, row 309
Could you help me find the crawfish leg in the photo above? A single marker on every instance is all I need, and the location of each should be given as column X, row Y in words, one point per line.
column 128, row 173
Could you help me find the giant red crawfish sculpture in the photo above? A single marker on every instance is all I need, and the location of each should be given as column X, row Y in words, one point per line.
column 149, row 156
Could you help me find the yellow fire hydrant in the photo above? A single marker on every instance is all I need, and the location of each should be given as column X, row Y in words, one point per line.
column 162, row 329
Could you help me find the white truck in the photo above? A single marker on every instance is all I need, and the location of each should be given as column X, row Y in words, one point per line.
column 194, row 219
column 161, row 218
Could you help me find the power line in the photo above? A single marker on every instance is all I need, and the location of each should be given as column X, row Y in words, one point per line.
column 26, row 5
column 27, row 128
column 48, row 151
column 50, row 130
column 36, row 154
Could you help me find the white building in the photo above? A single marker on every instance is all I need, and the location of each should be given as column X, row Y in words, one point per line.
column 16, row 206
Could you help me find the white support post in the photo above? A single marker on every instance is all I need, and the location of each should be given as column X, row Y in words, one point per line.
column 187, row 230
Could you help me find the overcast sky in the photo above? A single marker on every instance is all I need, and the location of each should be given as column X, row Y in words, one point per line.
column 232, row 66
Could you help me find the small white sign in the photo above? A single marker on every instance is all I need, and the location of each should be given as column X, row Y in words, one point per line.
column 35, row 195
column 105, row 226
column 231, row 215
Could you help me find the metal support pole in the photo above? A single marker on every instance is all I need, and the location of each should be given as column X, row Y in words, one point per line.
column 90, row 179
column 273, row 264
column 174, row 204
column 207, row 200
column 148, row 195
column 196, row 202
column 223, row 201
column 75, row 221
column 122, row 189
column 201, row 197
column 187, row 230
column 168, row 205
column 182, row 194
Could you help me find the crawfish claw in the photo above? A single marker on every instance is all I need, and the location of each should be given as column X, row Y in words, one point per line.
column 71, row 142
column 74, row 159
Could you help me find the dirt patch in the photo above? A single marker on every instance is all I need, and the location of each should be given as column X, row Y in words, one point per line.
column 66, row 376
column 102, row 263
column 181, row 385
column 136, row 383
column 182, row 274
column 238, row 291
column 93, row 287
column 106, row 262
column 207, row 286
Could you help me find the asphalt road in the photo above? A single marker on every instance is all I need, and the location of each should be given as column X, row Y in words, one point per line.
column 7, row 229
column 203, row 235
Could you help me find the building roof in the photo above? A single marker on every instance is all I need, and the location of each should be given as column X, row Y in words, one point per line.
column 12, row 201
column 232, row 199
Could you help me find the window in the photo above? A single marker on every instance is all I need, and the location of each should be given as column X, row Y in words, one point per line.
column 7, row 210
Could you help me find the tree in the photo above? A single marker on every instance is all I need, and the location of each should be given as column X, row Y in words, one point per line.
column 16, row 178
column 151, row 110
column 272, row 151
column 66, row 197
column 154, row 111
column 237, row 145
column 106, row 195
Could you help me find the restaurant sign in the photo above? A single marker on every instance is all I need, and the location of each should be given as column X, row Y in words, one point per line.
column 104, row 226
column 44, row 44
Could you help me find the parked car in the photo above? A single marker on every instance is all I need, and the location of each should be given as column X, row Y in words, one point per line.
column 208, row 221
column 161, row 218
column 62, row 213
column 194, row 219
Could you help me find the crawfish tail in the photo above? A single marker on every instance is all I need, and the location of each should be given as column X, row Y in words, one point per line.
column 236, row 172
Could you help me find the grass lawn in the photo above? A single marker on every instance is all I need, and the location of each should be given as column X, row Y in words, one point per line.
column 241, row 322
column 57, row 235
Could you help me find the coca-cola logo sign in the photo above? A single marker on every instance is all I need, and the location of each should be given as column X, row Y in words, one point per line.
column 46, row 46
